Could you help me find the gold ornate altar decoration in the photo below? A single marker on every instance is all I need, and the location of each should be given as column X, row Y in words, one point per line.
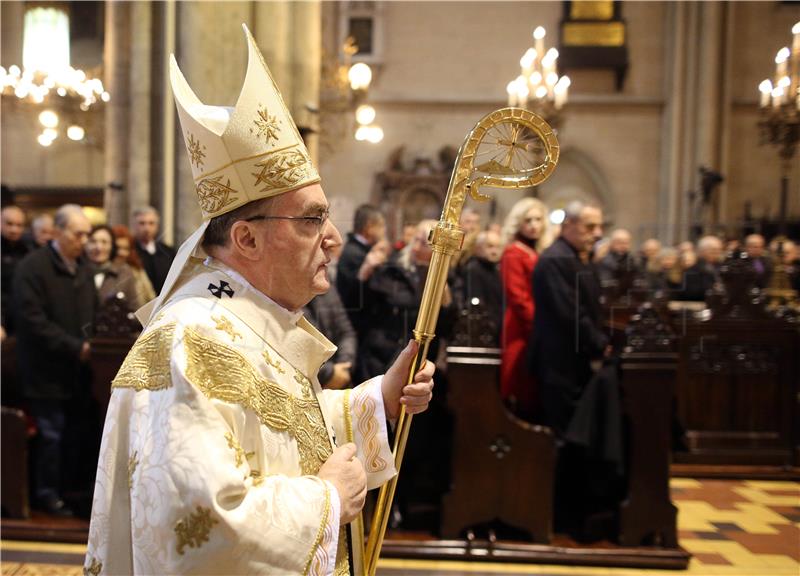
column 509, row 148
column 244, row 153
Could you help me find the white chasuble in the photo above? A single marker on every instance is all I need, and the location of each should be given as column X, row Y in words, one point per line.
column 215, row 430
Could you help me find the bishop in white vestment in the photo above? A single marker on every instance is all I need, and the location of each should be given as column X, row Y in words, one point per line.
column 217, row 428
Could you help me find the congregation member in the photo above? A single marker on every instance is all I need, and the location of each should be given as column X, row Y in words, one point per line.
column 619, row 260
column 480, row 283
column 54, row 303
column 12, row 251
column 701, row 277
column 567, row 338
column 156, row 256
column 221, row 453
column 669, row 279
column 111, row 278
column 366, row 249
column 759, row 259
column 41, row 231
column 524, row 234
column 125, row 254
column 327, row 314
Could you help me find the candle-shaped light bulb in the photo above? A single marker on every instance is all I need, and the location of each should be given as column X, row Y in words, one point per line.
column 541, row 92
column 538, row 36
column 766, row 90
column 512, row 93
column 782, row 55
column 539, row 33
column 796, row 28
column 527, row 60
column 536, row 78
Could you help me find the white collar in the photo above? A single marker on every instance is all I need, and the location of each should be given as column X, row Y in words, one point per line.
column 289, row 315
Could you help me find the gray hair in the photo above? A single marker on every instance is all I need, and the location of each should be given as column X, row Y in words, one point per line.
column 39, row 222
column 145, row 210
column 65, row 213
column 707, row 242
column 573, row 210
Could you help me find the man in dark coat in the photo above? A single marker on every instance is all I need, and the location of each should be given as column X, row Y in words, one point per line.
column 760, row 261
column 701, row 277
column 12, row 250
column 567, row 330
column 567, row 338
column 156, row 256
column 327, row 314
column 54, row 302
column 364, row 251
column 619, row 261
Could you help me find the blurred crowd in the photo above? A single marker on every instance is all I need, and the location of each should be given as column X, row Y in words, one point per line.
column 535, row 286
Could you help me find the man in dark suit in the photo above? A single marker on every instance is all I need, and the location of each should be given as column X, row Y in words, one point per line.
column 760, row 261
column 365, row 250
column 12, row 249
column 567, row 333
column 54, row 303
column 155, row 255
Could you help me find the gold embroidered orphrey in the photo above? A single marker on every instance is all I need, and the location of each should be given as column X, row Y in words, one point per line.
column 193, row 530
column 266, row 125
column 196, row 154
column 213, row 195
column 274, row 363
column 146, row 367
column 223, row 373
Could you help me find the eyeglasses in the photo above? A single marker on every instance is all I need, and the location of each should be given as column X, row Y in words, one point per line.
column 316, row 221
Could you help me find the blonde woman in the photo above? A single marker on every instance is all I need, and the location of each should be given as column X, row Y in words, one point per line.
column 525, row 233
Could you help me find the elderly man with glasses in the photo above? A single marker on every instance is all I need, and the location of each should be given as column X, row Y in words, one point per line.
column 221, row 453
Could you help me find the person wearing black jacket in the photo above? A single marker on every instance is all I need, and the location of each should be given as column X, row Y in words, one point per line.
column 12, row 250
column 327, row 314
column 54, row 302
column 156, row 256
column 567, row 332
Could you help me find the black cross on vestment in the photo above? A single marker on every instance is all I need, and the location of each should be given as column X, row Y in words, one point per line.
column 223, row 288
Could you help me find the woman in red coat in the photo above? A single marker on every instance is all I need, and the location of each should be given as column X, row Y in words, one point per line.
column 524, row 231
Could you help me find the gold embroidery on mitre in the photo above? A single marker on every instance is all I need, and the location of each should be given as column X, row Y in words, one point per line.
column 196, row 154
column 223, row 373
column 225, row 325
column 274, row 363
column 133, row 462
column 266, row 125
column 193, row 530
column 146, row 367
column 281, row 169
column 213, row 195
column 364, row 408
column 94, row 567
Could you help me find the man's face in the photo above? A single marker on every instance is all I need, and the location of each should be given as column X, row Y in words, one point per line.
column 583, row 232
column 145, row 227
column 620, row 243
column 72, row 239
column 13, row 223
column 375, row 230
column 296, row 253
column 471, row 222
column 43, row 231
column 712, row 251
column 420, row 248
column 755, row 246
column 491, row 248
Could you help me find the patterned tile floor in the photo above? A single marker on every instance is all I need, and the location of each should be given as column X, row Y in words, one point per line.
column 737, row 528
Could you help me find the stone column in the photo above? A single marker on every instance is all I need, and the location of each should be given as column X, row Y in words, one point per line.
column 117, row 76
column 139, row 142
column 306, row 66
column 212, row 54
column 272, row 29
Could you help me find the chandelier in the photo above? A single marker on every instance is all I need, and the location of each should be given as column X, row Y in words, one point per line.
column 345, row 88
column 780, row 100
column 538, row 87
column 47, row 81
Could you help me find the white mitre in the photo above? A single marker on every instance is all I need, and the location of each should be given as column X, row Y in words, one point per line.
column 238, row 155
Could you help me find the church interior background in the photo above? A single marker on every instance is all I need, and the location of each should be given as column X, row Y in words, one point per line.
column 662, row 95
